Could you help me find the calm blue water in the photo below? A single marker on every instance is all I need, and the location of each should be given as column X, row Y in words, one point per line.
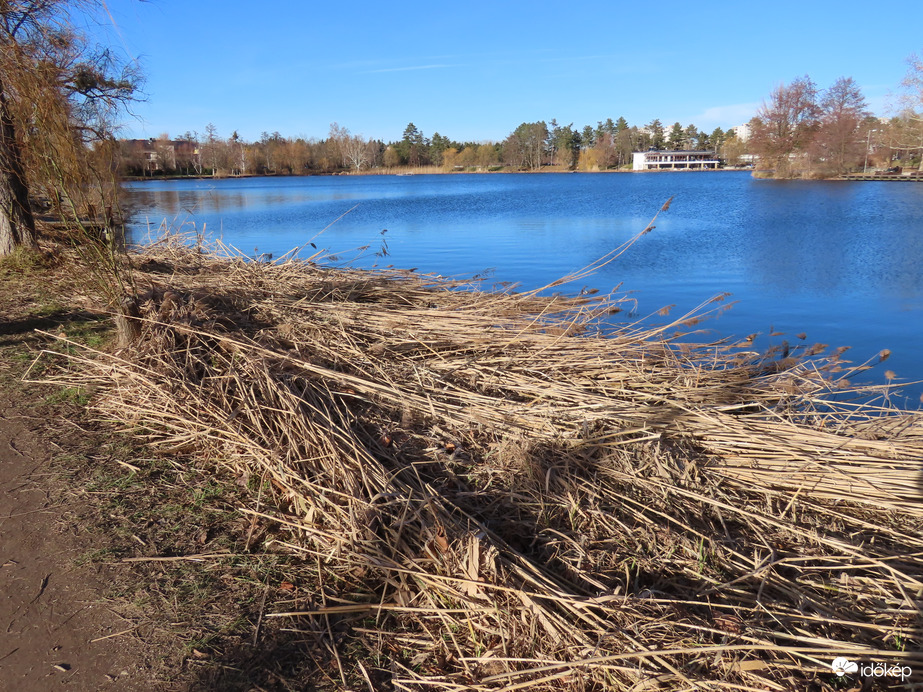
column 840, row 261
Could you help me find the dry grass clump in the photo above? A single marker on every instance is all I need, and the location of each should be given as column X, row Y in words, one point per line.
column 489, row 492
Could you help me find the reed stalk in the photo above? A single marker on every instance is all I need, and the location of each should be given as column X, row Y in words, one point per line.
column 499, row 491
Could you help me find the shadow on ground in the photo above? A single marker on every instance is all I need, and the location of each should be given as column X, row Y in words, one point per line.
column 12, row 331
column 280, row 660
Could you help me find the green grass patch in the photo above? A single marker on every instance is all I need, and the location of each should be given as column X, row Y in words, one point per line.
column 24, row 261
column 70, row 396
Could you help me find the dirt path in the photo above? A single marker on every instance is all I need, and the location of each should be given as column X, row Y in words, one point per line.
column 74, row 616
column 55, row 630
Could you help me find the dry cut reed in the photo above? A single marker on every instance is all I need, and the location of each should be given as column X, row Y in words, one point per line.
column 497, row 491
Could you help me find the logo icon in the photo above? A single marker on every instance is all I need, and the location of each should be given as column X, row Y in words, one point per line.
column 842, row 665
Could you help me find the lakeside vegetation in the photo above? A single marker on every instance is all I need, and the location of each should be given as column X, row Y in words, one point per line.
column 475, row 490
column 804, row 132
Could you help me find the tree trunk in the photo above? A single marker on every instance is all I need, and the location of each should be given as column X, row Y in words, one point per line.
column 17, row 225
column 128, row 323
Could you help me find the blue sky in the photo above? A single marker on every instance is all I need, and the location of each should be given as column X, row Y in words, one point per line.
column 475, row 70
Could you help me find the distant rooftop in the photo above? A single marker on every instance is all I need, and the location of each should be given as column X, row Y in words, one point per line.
column 676, row 151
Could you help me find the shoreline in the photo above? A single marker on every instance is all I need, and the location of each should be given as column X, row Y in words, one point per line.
column 915, row 176
column 418, row 171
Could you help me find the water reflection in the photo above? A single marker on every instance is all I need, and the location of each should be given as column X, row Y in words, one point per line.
column 169, row 202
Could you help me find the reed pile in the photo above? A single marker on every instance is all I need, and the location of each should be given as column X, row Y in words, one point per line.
column 496, row 490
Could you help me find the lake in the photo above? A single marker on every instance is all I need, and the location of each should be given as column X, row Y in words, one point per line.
column 840, row 261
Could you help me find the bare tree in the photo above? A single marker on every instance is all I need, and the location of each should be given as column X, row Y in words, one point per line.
column 56, row 102
column 165, row 151
column 838, row 141
column 187, row 153
column 624, row 145
column 733, row 148
column 910, row 126
column 785, row 126
column 606, row 150
column 525, row 146
column 212, row 149
column 355, row 152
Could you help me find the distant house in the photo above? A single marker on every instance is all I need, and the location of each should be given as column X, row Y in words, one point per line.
column 673, row 160
column 144, row 156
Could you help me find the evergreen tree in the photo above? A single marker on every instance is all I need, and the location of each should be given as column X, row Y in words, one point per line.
column 655, row 134
column 677, row 136
column 412, row 145
column 588, row 137
column 691, row 137
column 436, row 148
column 551, row 143
column 567, row 145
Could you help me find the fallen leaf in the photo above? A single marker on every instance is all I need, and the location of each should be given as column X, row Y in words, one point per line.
column 729, row 623
column 441, row 542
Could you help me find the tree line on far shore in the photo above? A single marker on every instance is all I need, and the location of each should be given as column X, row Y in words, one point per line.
column 531, row 146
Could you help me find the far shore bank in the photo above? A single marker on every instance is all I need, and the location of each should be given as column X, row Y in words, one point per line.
column 423, row 170
column 877, row 176
column 913, row 176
